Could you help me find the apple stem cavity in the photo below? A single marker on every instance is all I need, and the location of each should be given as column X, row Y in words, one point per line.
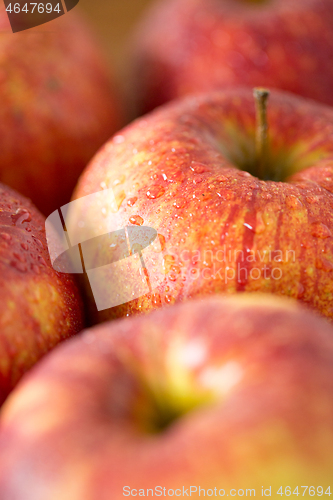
column 261, row 145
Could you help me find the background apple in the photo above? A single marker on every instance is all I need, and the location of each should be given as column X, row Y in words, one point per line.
column 189, row 170
column 186, row 46
column 38, row 306
column 114, row 22
column 224, row 392
column 58, row 107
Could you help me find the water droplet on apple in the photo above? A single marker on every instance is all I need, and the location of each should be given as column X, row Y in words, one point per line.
column 21, row 216
column 197, row 180
column 198, row 168
column 195, row 259
column 293, row 202
column 19, row 257
column 266, row 196
column 38, row 243
column 243, row 173
column 136, row 220
column 155, row 192
column 180, row 203
column 324, row 264
column 156, row 299
column 162, row 241
column 260, row 224
column 119, row 197
column 5, row 236
column 167, row 298
column 25, row 246
column 312, row 199
column 41, row 260
column 120, row 180
column 225, row 194
column 320, row 230
column 20, row 266
column 172, row 277
column 168, row 261
column 131, row 201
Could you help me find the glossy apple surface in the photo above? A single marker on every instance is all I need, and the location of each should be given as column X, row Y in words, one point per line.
column 38, row 306
column 184, row 170
column 186, row 46
column 58, row 106
column 232, row 393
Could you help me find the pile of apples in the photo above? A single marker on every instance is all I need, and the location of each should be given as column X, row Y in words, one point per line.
column 217, row 379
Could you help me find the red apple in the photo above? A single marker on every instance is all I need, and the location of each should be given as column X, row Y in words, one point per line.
column 39, row 307
column 228, row 393
column 190, row 171
column 187, row 46
column 57, row 107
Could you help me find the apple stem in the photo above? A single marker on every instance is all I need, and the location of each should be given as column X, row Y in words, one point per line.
column 261, row 97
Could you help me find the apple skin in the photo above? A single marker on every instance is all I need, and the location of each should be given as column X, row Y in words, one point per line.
column 226, row 392
column 175, row 170
column 39, row 307
column 58, row 107
column 186, row 46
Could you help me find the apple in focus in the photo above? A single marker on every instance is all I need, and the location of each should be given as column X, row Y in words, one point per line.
column 39, row 307
column 229, row 218
column 186, row 46
column 226, row 393
column 58, row 106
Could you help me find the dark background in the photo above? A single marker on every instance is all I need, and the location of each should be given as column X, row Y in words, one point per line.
column 114, row 21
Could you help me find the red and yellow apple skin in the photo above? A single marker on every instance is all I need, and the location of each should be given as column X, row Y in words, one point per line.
column 39, row 307
column 226, row 392
column 175, row 170
column 58, row 107
column 187, row 46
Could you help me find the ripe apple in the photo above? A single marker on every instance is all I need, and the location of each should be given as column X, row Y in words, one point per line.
column 57, row 107
column 234, row 214
column 226, row 393
column 186, row 46
column 39, row 307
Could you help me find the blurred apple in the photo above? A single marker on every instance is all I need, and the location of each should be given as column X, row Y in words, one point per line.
column 231, row 217
column 39, row 307
column 225, row 393
column 186, row 46
column 57, row 107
